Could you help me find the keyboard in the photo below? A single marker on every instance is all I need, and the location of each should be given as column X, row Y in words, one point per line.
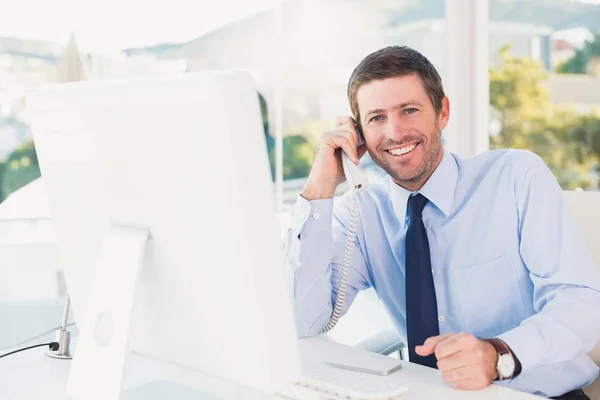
column 334, row 383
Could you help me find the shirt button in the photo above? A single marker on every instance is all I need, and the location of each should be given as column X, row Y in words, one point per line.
column 316, row 216
column 433, row 272
column 441, row 318
column 298, row 264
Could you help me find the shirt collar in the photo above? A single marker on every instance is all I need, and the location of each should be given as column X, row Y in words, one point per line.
column 439, row 188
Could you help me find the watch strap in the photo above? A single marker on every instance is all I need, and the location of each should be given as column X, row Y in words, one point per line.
column 502, row 349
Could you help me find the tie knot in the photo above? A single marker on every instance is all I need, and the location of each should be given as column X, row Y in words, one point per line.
column 416, row 204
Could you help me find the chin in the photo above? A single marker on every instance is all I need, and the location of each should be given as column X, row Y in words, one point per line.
column 405, row 177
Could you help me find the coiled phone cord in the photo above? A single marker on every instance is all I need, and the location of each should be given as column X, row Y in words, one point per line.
column 345, row 273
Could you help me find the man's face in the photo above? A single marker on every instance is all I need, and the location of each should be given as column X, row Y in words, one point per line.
column 402, row 129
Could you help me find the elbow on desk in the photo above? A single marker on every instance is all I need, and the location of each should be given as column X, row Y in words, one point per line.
column 303, row 333
column 306, row 328
column 308, row 331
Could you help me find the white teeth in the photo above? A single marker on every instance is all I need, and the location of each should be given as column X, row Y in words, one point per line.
column 403, row 150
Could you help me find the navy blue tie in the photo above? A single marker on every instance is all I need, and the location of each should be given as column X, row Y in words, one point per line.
column 421, row 304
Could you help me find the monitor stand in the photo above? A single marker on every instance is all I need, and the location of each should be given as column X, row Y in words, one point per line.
column 63, row 337
column 98, row 366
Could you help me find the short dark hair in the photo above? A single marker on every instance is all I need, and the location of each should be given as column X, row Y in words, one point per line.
column 390, row 62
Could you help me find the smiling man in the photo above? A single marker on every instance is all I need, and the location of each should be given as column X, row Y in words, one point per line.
column 477, row 260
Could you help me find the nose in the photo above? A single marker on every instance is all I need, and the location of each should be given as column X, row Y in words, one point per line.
column 395, row 129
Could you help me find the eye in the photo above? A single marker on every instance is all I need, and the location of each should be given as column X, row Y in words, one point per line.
column 376, row 118
column 411, row 110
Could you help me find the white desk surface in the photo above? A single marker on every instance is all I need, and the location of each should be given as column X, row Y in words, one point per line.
column 32, row 375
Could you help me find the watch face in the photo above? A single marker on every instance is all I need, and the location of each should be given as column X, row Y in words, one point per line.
column 506, row 366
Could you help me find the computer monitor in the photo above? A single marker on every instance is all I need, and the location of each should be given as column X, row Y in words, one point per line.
column 183, row 160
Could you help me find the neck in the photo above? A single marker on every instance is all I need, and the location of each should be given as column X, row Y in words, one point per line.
column 417, row 183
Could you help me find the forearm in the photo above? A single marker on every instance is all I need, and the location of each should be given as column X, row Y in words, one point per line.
column 566, row 281
column 309, row 253
column 312, row 282
column 315, row 249
column 565, row 328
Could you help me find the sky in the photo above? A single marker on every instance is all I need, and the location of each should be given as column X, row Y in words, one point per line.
column 115, row 24
column 110, row 25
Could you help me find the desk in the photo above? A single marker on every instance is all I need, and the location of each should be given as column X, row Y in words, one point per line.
column 33, row 375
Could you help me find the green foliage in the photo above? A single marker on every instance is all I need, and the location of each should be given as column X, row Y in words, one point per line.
column 298, row 155
column 20, row 168
column 297, row 150
column 569, row 142
column 264, row 112
column 516, row 91
column 2, row 167
column 578, row 64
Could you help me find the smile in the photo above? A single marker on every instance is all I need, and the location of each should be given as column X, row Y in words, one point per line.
column 400, row 151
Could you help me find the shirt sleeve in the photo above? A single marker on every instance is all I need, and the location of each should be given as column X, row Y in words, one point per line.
column 314, row 253
column 566, row 294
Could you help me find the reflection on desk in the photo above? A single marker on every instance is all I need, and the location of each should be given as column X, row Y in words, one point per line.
column 32, row 375
column 166, row 390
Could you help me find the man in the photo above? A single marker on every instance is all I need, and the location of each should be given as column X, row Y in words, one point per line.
column 477, row 260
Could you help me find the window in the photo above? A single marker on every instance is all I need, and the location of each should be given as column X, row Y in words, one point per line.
column 545, row 85
column 300, row 53
column 323, row 41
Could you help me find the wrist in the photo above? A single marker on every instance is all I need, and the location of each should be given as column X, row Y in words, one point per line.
column 316, row 191
column 492, row 355
column 507, row 364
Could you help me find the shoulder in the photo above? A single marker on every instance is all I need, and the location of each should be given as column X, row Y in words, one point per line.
column 505, row 163
column 502, row 157
column 523, row 159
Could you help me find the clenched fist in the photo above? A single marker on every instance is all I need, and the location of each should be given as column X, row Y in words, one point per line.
column 465, row 361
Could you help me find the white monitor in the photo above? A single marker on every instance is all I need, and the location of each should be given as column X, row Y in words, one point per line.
column 182, row 159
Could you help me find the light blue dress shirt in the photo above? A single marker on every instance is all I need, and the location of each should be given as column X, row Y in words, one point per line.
column 508, row 262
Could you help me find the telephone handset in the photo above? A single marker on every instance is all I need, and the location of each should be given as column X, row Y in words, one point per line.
column 358, row 182
column 355, row 177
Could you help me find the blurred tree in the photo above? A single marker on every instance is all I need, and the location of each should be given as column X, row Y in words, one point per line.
column 297, row 149
column 516, row 91
column 575, row 65
column 298, row 155
column 20, row 169
column 580, row 62
column 264, row 111
column 2, row 166
column 568, row 141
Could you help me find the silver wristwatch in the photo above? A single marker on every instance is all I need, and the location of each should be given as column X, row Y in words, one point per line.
column 505, row 366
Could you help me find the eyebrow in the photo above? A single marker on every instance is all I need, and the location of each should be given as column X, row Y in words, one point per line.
column 396, row 107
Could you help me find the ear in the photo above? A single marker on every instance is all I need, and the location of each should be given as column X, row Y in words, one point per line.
column 444, row 114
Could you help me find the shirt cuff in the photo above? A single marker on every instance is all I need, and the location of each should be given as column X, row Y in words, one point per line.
column 526, row 344
column 311, row 216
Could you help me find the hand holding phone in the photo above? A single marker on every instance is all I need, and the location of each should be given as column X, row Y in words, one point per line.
column 347, row 155
column 344, row 144
column 355, row 177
